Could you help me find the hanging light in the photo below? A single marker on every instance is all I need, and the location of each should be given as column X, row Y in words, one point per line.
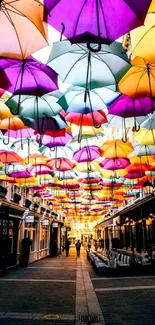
column 148, row 187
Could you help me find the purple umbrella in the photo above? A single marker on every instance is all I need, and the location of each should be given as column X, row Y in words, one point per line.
column 115, row 163
column 20, row 174
column 125, row 106
column 95, row 21
column 51, row 142
column 134, row 175
column 27, row 77
column 39, row 170
column 88, row 153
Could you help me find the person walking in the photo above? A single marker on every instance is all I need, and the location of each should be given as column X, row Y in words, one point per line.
column 78, row 246
column 26, row 244
column 67, row 246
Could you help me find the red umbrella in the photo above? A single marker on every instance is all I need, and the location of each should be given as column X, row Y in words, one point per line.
column 91, row 119
column 9, row 157
column 61, row 164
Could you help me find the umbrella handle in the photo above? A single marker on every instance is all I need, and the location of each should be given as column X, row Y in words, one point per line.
column 124, row 140
column 6, row 142
column 137, row 128
column 98, row 49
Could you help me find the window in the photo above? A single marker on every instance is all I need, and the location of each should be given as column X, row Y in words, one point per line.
column 43, row 238
column 31, row 234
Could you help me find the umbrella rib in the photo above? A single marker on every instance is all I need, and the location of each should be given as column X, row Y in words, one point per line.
column 82, row 7
column 11, row 21
column 81, row 58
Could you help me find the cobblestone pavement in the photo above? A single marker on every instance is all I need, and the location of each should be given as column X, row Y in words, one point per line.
column 46, row 293
column 43, row 293
column 129, row 301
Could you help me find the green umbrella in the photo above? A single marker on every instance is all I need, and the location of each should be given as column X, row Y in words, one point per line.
column 76, row 65
column 36, row 107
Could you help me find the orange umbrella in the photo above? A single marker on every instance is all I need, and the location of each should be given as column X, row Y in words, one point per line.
column 9, row 157
column 139, row 81
column 21, row 24
column 116, row 149
column 35, row 159
column 12, row 123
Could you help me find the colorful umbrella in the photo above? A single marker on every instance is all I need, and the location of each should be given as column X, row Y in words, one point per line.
column 51, row 142
column 90, row 119
column 139, row 81
column 76, row 65
column 9, row 157
column 34, row 106
column 21, row 24
column 115, row 163
column 116, row 149
column 85, row 154
column 61, row 164
column 95, row 21
column 142, row 37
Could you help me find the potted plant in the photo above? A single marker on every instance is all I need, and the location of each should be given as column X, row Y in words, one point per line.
column 3, row 191
column 16, row 198
column 35, row 206
column 27, row 203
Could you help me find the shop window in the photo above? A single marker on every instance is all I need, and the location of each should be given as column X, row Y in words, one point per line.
column 30, row 233
column 43, row 238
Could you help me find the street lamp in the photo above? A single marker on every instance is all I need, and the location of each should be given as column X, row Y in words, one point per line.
column 148, row 187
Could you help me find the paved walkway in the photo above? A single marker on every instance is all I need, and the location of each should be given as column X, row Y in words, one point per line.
column 66, row 290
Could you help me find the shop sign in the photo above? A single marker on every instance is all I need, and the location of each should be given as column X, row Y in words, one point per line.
column 45, row 222
column 55, row 225
column 29, row 219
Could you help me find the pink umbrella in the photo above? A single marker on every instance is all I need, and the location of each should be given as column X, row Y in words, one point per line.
column 39, row 170
column 51, row 142
column 23, row 133
column 115, row 163
column 88, row 153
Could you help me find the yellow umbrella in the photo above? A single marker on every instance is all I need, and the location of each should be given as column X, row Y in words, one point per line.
column 35, row 159
column 139, row 81
column 152, row 7
column 145, row 137
column 116, row 149
column 4, row 111
column 113, row 174
column 142, row 160
column 142, row 38
column 88, row 166
column 26, row 181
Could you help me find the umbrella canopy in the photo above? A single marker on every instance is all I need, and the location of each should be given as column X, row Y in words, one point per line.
column 42, row 125
column 85, row 154
column 125, row 106
column 35, row 159
column 61, row 164
column 34, row 106
column 76, row 65
column 21, row 27
column 78, row 100
column 20, row 134
column 52, row 142
column 9, row 157
column 116, row 149
column 143, row 150
column 90, row 119
column 39, row 170
column 139, row 81
column 115, row 163
column 142, row 37
column 145, row 137
column 23, row 75
column 95, row 21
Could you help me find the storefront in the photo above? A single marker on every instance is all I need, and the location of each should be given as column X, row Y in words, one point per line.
column 10, row 221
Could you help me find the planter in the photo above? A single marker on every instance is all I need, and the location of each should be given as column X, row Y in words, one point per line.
column 27, row 203
column 16, row 198
column 35, row 206
column 3, row 191
column 42, row 209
